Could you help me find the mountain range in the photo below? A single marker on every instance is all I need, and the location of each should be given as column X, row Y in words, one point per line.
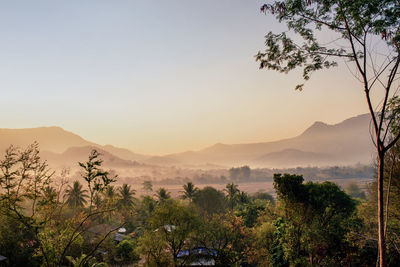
column 345, row 143
column 321, row 144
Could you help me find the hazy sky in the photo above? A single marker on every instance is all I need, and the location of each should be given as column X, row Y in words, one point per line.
column 156, row 76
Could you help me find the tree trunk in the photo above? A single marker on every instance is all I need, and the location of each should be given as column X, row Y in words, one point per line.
column 381, row 223
column 388, row 192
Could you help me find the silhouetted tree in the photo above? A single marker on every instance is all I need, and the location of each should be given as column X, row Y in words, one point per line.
column 189, row 191
column 126, row 196
column 356, row 23
column 76, row 196
column 96, row 178
column 233, row 194
column 162, row 194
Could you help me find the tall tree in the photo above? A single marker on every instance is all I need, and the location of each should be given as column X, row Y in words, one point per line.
column 76, row 196
column 316, row 218
column 392, row 196
column 210, row 201
column 96, row 178
column 23, row 179
column 162, row 194
column 233, row 194
column 172, row 224
column 358, row 25
column 49, row 195
column 190, row 191
column 126, row 196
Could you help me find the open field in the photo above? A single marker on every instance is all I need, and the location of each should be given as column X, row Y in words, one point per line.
column 250, row 187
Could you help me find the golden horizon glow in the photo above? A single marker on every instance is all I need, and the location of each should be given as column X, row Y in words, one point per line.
column 157, row 78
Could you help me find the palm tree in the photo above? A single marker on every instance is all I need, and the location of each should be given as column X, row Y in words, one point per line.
column 243, row 198
column 97, row 201
column 233, row 192
column 162, row 194
column 189, row 191
column 76, row 197
column 50, row 194
column 126, row 195
column 109, row 194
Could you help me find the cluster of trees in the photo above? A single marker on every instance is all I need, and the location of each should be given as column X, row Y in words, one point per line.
column 51, row 223
column 245, row 174
column 241, row 174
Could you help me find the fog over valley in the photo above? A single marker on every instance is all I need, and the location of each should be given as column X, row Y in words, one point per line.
column 345, row 144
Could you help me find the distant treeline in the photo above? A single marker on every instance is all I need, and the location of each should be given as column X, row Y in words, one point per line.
column 246, row 174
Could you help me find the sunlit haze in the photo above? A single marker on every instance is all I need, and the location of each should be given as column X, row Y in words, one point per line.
column 157, row 77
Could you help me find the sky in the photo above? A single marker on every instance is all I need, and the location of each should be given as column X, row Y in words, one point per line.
column 157, row 77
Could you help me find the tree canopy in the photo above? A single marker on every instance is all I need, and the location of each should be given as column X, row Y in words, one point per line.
column 365, row 33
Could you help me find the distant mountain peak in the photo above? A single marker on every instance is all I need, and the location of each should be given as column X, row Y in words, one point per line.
column 218, row 145
column 346, row 142
column 215, row 147
column 319, row 123
column 316, row 128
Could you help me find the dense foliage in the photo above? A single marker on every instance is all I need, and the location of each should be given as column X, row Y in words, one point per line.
column 48, row 221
